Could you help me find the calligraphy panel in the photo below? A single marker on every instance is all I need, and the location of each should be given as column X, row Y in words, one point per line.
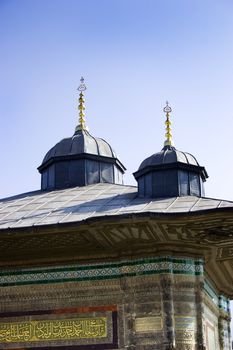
column 44, row 330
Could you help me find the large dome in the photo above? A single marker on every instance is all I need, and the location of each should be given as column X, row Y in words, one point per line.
column 82, row 142
column 80, row 160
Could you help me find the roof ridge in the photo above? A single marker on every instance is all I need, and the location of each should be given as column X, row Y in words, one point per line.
column 171, row 204
column 198, row 200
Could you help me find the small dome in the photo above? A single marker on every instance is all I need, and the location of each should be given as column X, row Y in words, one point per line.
column 81, row 142
column 168, row 155
column 170, row 173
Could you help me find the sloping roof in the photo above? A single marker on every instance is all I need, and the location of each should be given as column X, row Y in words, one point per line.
column 99, row 200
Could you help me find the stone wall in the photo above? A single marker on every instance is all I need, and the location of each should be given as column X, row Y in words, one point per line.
column 142, row 304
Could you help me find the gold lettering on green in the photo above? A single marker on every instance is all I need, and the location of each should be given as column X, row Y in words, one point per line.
column 61, row 329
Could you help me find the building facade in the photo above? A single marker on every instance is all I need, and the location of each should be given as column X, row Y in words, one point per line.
column 90, row 263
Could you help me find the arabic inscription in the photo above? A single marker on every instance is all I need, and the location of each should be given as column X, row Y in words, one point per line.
column 43, row 330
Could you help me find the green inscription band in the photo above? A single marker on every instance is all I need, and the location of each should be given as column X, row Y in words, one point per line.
column 44, row 330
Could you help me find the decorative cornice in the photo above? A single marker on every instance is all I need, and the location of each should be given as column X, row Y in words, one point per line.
column 199, row 236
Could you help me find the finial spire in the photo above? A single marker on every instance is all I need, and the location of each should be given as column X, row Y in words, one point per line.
column 82, row 122
column 167, row 109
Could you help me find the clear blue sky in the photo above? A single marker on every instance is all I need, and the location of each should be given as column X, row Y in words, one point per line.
column 134, row 56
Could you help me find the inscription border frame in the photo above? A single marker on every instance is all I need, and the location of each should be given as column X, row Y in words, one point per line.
column 99, row 346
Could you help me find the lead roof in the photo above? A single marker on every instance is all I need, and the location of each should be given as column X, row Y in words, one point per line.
column 94, row 201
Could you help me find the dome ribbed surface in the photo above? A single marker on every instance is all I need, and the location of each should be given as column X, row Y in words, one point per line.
column 169, row 155
column 81, row 142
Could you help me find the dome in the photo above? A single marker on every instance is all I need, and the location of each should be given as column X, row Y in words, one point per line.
column 80, row 160
column 82, row 142
column 170, row 173
column 168, row 155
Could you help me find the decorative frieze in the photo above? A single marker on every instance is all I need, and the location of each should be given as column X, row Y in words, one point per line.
column 92, row 272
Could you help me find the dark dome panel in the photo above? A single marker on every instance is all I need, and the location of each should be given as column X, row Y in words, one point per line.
column 181, row 157
column 169, row 156
column 77, row 144
column 104, row 148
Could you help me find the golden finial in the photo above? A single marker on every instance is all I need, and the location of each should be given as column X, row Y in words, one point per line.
column 167, row 109
column 82, row 123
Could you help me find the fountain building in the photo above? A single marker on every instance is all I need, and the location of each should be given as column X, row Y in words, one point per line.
column 90, row 263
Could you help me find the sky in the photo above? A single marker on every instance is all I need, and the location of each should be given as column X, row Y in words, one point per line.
column 134, row 55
